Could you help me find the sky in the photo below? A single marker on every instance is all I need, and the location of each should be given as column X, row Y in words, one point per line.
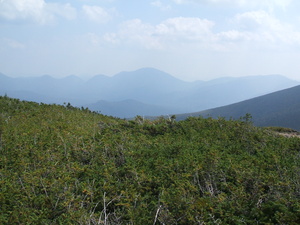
column 190, row 39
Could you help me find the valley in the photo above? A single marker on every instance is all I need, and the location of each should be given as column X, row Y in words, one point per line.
column 145, row 92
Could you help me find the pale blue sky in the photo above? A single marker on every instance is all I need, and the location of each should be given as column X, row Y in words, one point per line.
column 191, row 39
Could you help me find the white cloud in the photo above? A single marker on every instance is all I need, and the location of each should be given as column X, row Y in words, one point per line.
column 96, row 13
column 24, row 9
column 185, row 28
column 62, row 10
column 242, row 3
column 259, row 20
column 111, row 38
column 12, row 43
column 36, row 10
column 258, row 29
column 161, row 6
column 182, row 1
column 93, row 39
column 260, row 26
column 235, row 35
column 137, row 32
column 166, row 33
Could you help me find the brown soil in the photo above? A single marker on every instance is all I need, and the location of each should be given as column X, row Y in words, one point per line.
column 289, row 134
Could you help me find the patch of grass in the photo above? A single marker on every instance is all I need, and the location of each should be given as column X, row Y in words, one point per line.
column 282, row 129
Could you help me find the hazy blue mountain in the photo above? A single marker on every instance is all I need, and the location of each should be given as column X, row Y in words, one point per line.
column 146, row 86
column 228, row 90
column 43, row 89
column 154, row 87
column 281, row 108
column 27, row 95
column 127, row 108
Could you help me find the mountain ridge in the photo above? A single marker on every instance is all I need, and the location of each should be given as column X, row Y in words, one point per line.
column 148, row 86
column 280, row 108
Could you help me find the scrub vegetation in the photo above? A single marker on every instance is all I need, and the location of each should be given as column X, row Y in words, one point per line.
column 65, row 165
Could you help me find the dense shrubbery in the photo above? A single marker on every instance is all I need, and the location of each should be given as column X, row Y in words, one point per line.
column 64, row 165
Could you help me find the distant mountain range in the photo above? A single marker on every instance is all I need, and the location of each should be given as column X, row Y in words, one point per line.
column 146, row 91
column 281, row 108
column 126, row 108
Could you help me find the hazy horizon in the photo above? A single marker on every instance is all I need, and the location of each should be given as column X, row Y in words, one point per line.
column 87, row 78
column 189, row 39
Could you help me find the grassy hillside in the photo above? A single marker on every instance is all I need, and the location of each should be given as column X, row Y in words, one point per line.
column 63, row 165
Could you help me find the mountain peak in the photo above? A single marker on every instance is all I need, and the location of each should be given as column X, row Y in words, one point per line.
column 98, row 78
column 147, row 74
column 3, row 75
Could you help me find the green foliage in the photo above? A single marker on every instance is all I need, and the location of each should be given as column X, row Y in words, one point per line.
column 65, row 165
column 282, row 129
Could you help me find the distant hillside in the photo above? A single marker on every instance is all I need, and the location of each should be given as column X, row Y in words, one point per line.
column 128, row 108
column 159, row 91
column 281, row 108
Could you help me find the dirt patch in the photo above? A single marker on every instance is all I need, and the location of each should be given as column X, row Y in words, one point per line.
column 283, row 131
column 289, row 134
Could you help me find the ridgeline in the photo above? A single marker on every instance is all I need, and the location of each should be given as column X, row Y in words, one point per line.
column 65, row 165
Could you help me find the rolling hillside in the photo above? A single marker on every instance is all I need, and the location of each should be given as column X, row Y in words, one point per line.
column 281, row 108
column 65, row 165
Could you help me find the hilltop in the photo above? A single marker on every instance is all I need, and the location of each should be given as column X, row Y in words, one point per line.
column 68, row 165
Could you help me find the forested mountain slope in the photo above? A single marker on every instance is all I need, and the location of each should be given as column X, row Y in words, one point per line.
column 281, row 108
column 64, row 165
